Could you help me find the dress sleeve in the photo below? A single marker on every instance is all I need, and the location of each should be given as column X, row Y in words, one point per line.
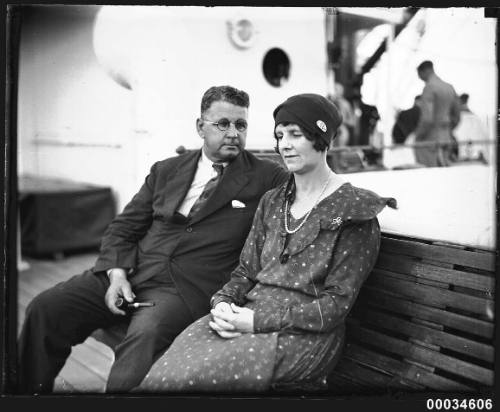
column 119, row 243
column 243, row 278
column 354, row 257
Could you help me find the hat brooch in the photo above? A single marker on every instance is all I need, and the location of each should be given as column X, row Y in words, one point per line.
column 321, row 124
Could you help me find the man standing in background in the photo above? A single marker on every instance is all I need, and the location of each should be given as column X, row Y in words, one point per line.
column 439, row 115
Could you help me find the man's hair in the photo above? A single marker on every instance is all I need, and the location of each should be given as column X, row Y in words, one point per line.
column 464, row 98
column 425, row 65
column 226, row 94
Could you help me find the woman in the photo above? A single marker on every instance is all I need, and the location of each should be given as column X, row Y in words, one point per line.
column 279, row 322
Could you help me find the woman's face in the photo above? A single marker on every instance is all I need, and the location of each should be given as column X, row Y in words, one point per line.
column 296, row 150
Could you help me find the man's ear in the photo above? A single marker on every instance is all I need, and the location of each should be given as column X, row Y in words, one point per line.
column 199, row 127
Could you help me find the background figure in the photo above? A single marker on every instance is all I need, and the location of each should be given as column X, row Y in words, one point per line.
column 346, row 128
column 339, row 160
column 366, row 118
column 406, row 122
column 470, row 129
column 440, row 114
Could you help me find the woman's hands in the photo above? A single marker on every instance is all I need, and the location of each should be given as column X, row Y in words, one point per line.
column 230, row 320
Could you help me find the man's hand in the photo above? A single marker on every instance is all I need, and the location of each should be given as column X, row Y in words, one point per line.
column 230, row 321
column 119, row 287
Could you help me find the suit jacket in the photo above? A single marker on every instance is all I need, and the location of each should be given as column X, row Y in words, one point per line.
column 440, row 111
column 198, row 254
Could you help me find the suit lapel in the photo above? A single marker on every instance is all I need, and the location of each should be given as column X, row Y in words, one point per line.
column 234, row 179
column 180, row 182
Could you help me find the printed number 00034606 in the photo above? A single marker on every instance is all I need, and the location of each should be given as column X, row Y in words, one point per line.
column 456, row 404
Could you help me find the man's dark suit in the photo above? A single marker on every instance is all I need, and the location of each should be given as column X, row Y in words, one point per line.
column 186, row 260
column 198, row 254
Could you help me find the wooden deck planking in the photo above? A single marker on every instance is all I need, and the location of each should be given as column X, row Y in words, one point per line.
column 87, row 368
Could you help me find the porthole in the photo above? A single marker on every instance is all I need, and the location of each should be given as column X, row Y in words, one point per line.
column 276, row 67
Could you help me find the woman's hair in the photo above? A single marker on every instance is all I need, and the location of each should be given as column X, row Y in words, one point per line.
column 226, row 94
column 317, row 117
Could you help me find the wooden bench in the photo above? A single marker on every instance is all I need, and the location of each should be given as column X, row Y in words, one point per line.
column 423, row 322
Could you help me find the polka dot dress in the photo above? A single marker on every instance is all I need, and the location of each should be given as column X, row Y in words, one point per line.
column 300, row 286
column 200, row 361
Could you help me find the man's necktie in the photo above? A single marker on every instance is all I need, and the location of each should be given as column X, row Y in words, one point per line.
column 208, row 190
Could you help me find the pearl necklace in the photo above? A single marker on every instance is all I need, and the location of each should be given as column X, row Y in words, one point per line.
column 291, row 232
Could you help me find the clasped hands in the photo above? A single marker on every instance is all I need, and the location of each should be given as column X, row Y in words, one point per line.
column 230, row 320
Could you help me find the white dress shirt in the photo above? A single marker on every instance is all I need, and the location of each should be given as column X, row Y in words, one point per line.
column 204, row 172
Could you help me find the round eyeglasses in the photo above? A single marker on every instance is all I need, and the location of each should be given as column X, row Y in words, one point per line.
column 223, row 124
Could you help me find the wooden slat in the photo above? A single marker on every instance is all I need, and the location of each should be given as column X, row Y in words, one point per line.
column 379, row 298
column 34, row 286
column 62, row 386
column 403, row 369
column 422, row 355
column 55, row 273
column 101, row 348
column 430, row 295
column 94, row 361
column 472, row 292
column 411, row 278
column 484, row 260
column 80, row 377
column 427, row 271
column 428, row 335
column 342, row 385
column 363, row 375
column 432, row 325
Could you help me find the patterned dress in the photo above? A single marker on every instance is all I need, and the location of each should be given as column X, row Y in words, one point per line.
column 300, row 286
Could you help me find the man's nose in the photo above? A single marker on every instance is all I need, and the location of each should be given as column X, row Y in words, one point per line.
column 232, row 131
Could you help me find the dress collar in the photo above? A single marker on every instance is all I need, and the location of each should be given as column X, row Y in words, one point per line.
column 356, row 204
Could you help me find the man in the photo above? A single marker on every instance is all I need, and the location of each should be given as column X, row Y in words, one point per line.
column 167, row 247
column 406, row 122
column 440, row 114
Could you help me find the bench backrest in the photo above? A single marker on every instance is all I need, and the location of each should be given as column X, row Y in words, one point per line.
column 423, row 321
